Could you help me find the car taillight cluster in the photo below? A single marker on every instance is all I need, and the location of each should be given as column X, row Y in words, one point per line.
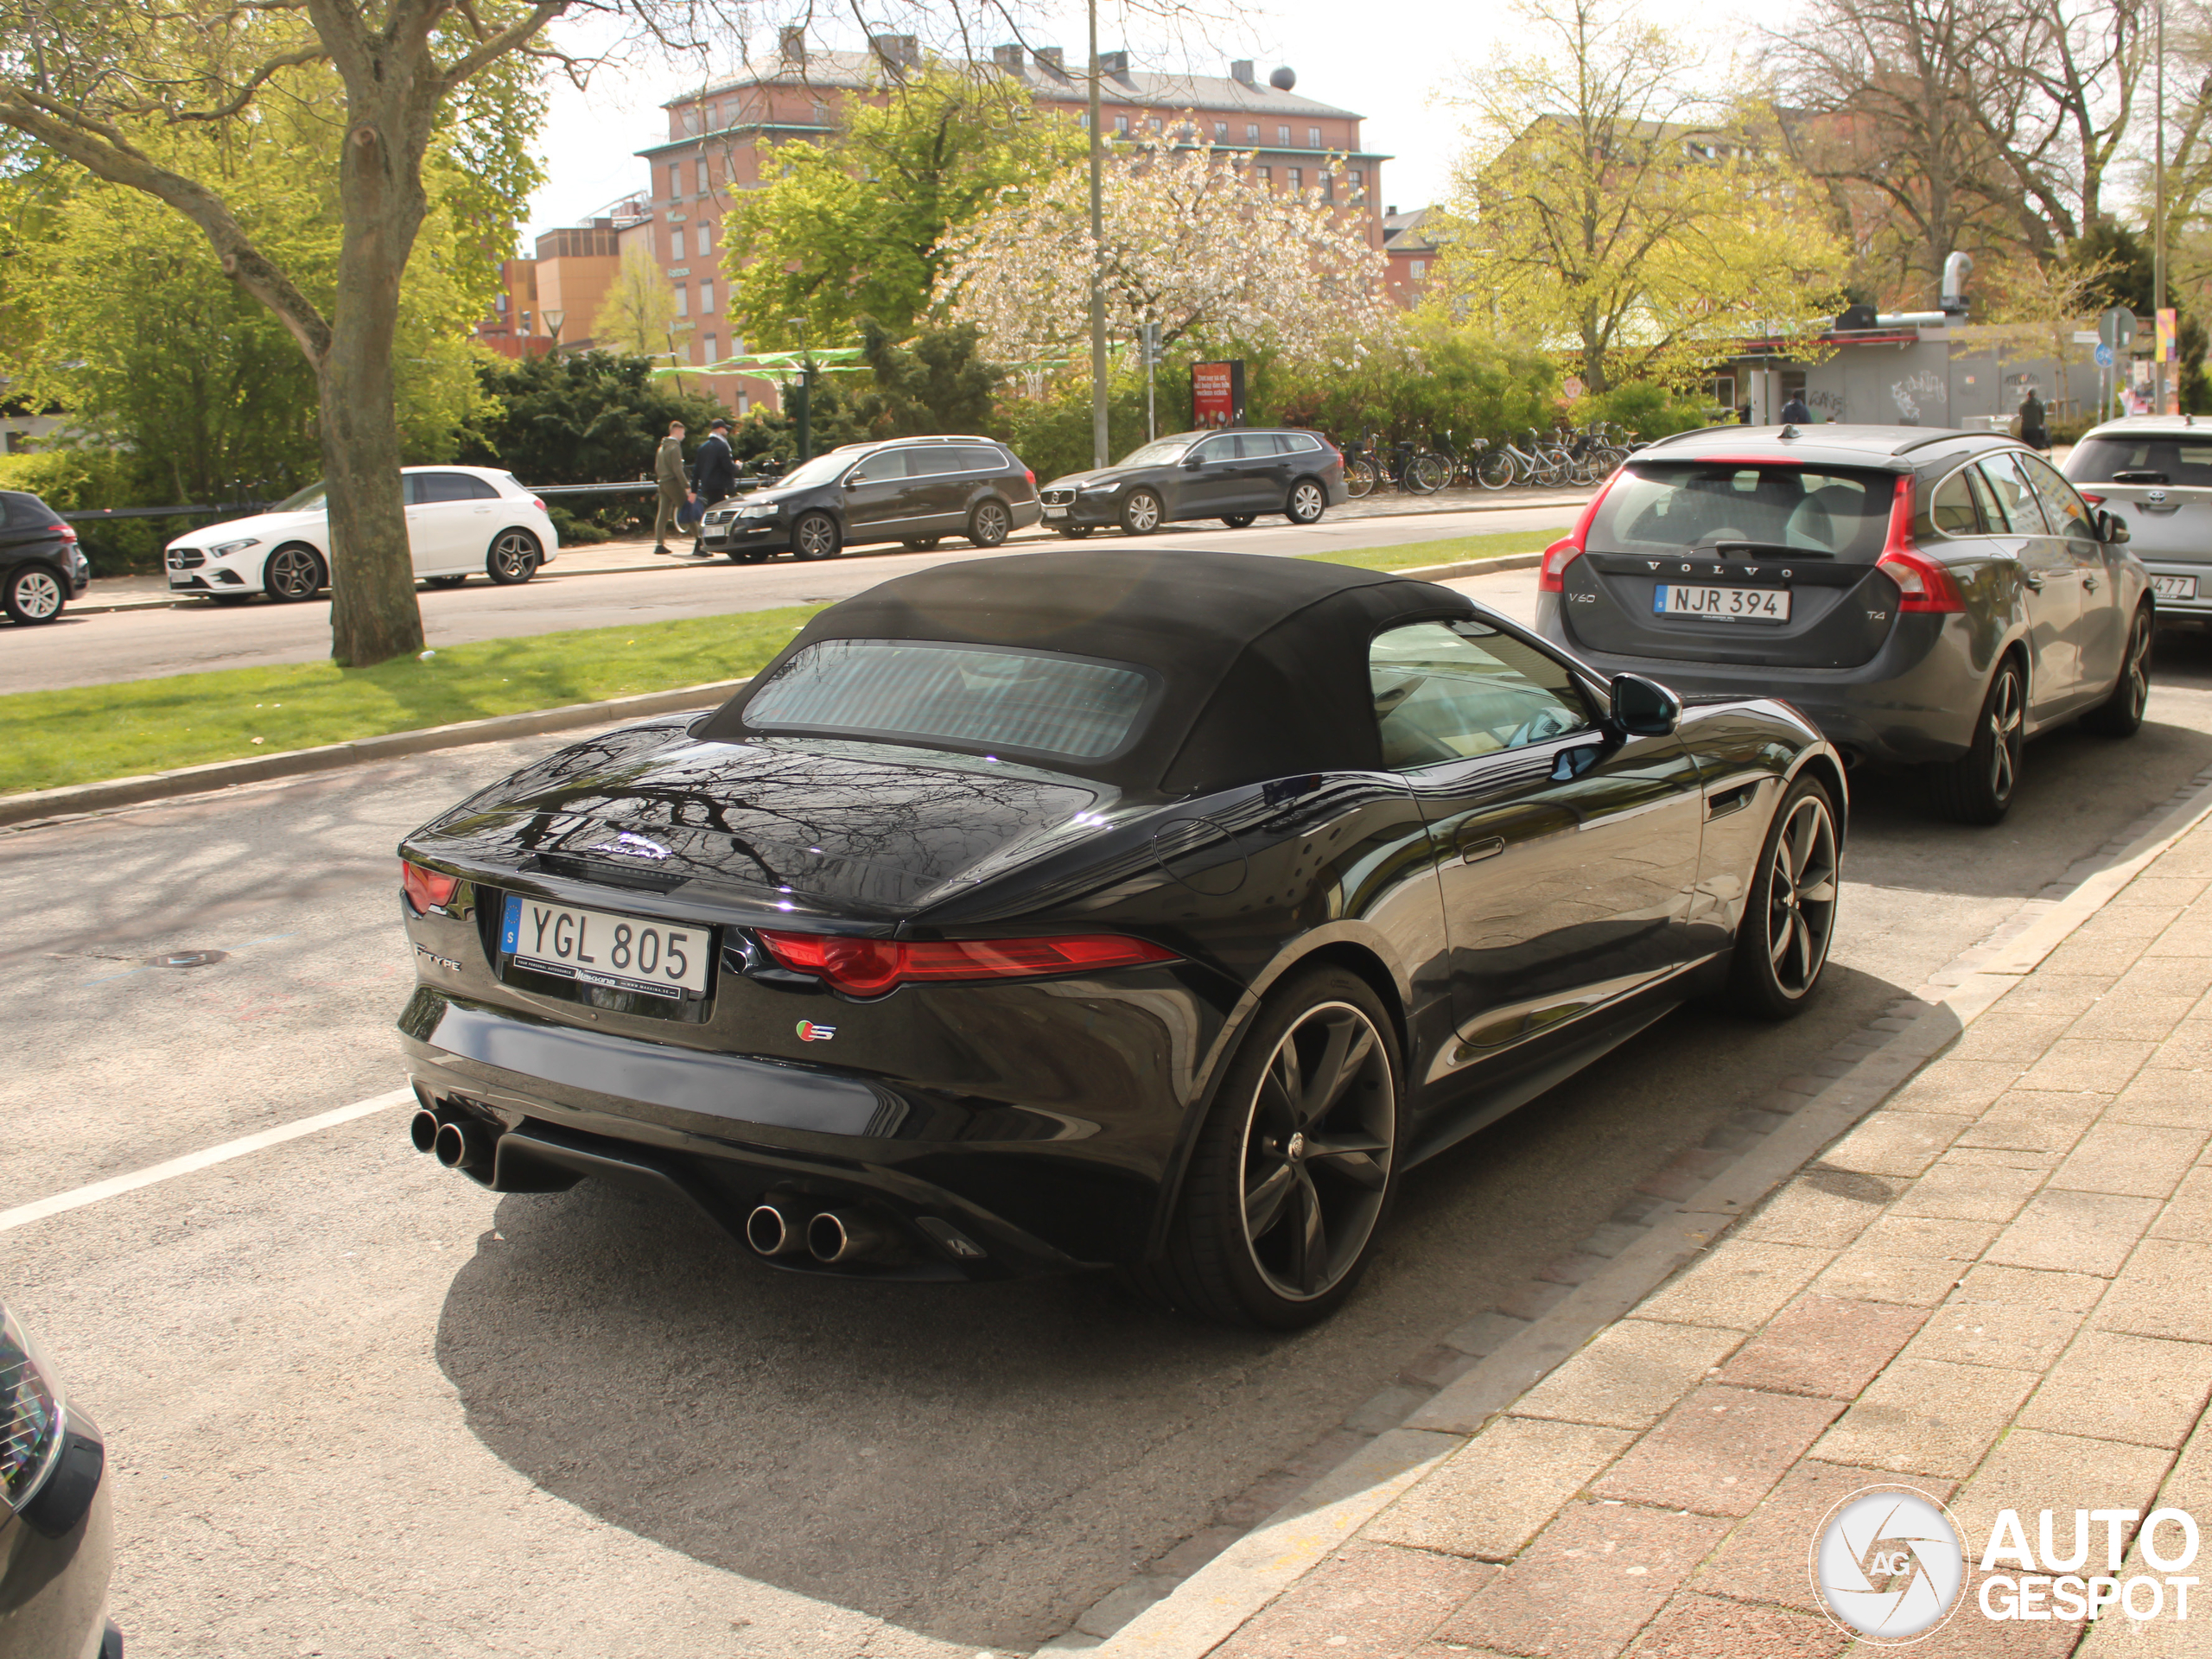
column 426, row 889
column 65, row 532
column 1566, row 550
column 1031, row 476
column 871, row 967
column 538, row 502
column 1924, row 587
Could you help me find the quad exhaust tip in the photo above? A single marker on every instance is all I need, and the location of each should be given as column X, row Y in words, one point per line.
column 775, row 1229
column 836, row 1236
column 422, row 1130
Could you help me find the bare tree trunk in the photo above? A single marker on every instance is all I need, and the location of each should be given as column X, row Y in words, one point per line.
column 373, row 613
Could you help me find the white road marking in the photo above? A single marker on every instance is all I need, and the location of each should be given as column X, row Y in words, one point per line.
column 77, row 1198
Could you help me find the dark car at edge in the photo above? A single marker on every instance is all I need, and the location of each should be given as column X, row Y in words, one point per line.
column 42, row 565
column 912, row 490
column 1235, row 476
column 1019, row 919
column 1930, row 599
column 57, row 1528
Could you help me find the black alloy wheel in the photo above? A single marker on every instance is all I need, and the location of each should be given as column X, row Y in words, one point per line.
column 989, row 524
column 34, row 595
column 746, row 554
column 1307, row 502
column 815, row 537
column 1977, row 787
column 294, row 573
column 923, row 543
column 1295, row 1166
column 1238, row 521
column 1140, row 513
column 2121, row 714
column 1075, row 532
column 1782, row 944
column 445, row 581
column 514, row 557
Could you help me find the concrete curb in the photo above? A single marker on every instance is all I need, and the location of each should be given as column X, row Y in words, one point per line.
column 1207, row 1608
column 76, row 799
column 79, row 798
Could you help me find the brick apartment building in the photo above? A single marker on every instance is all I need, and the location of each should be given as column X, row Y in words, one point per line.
column 720, row 140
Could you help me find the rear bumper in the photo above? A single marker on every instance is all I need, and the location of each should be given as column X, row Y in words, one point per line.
column 549, row 1105
column 1914, row 702
column 2198, row 606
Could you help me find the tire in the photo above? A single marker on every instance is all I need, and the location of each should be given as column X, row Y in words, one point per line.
column 295, row 572
column 922, row 543
column 989, row 524
column 746, row 554
column 227, row 600
column 1977, row 787
column 1308, row 501
column 1239, row 520
column 445, row 581
column 815, row 537
column 2121, row 714
column 34, row 595
column 1256, row 1188
column 1782, row 944
column 1141, row 513
column 1359, row 477
column 1075, row 532
column 1495, row 470
column 1427, row 474
column 514, row 557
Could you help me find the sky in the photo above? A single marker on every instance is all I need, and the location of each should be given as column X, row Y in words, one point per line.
column 1396, row 70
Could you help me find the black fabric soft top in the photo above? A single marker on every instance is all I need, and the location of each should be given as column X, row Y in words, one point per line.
column 1264, row 660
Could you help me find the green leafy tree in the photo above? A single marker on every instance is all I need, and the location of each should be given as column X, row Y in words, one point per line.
column 134, row 328
column 937, row 382
column 638, row 316
column 583, row 417
column 864, row 225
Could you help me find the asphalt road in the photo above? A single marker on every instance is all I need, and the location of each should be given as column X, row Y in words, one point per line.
column 95, row 649
column 357, row 1405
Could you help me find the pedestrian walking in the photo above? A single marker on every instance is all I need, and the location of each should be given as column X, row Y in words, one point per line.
column 675, row 487
column 713, row 474
column 1796, row 411
column 2033, row 431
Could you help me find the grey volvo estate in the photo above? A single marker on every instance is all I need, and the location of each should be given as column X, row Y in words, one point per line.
column 1928, row 598
column 2157, row 469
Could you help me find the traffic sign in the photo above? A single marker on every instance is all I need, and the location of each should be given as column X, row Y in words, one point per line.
column 2104, row 357
column 2116, row 329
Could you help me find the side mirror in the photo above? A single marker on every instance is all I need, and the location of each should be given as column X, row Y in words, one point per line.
column 852, row 479
column 2112, row 528
column 1644, row 708
column 1194, row 461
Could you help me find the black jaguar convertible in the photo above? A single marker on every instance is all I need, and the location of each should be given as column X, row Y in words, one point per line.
column 1040, row 913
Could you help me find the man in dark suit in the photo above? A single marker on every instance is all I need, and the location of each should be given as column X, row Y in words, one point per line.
column 713, row 474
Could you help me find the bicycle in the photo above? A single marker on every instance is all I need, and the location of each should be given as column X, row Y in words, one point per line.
column 1508, row 464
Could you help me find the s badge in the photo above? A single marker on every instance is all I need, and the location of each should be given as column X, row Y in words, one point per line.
column 811, row 1032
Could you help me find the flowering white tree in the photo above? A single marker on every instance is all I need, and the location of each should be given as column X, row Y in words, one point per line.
column 1194, row 240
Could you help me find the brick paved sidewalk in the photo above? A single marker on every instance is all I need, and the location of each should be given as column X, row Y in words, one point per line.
column 1997, row 1289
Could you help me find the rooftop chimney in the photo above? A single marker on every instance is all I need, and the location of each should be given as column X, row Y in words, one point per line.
column 791, row 42
column 896, row 51
column 1114, row 63
column 1053, row 59
column 1008, row 58
column 1241, row 70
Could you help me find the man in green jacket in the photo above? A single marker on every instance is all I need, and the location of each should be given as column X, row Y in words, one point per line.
column 675, row 487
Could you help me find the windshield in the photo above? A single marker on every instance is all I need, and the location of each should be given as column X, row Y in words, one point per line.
column 820, row 470
column 310, row 497
column 966, row 696
column 2126, row 458
column 1158, row 453
column 1666, row 507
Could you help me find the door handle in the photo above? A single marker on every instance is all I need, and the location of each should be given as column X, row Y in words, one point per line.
column 1473, row 852
column 2089, row 584
column 2033, row 582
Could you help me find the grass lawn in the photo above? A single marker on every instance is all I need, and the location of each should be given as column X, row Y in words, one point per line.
column 88, row 732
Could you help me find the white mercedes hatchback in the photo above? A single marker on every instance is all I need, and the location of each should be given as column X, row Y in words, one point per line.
column 461, row 520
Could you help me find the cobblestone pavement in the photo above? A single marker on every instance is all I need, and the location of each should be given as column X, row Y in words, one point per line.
column 1992, row 1290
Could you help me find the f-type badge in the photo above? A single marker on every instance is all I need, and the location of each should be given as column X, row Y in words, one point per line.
column 811, row 1032
column 626, row 845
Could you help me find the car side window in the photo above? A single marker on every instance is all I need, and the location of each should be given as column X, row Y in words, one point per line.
column 973, row 459
column 883, row 467
column 1448, row 691
column 1253, row 446
column 2015, row 500
column 449, row 487
column 1214, row 451
column 1951, row 509
column 2068, row 512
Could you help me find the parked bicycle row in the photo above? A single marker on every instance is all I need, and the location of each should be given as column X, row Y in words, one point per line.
column 1424, row 466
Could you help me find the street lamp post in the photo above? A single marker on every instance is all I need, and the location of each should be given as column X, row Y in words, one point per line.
column 553, row 319
column 1098, row 436
column 803, row 414
column 2159, row 208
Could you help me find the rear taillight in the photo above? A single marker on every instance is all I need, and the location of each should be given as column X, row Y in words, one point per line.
column 66, row 533
column 871, row 967
column 538, row 502
column 2093, row 500
column 1031, row 476
column 1566, row 550
column 426, row 889
column 1923, row 585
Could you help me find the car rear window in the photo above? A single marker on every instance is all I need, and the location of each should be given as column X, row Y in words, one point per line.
column 1665, row 506
column 17, row 508
column 962, row 695
column 2128, row 459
